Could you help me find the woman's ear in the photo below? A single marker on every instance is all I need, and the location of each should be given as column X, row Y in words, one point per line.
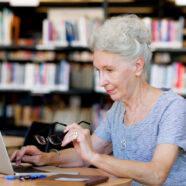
column 139, row 65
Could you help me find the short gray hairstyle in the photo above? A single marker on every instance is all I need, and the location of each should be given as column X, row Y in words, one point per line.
column 126, row 35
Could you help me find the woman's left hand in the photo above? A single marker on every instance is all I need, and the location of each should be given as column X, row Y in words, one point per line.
column 81, row 140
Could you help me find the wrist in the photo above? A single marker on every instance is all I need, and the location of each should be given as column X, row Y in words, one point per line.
column 56, row 151
column 94, row 158
column 43, row 159
column 52, row 157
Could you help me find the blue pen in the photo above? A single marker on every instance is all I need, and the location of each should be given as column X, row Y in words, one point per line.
column 12, row 177
column 36, row 176
column 21, row 178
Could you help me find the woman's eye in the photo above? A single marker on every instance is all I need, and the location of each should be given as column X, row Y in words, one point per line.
column 109, row 70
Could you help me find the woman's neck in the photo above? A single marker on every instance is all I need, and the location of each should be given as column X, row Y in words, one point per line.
column 142, row 95
column 140, row 102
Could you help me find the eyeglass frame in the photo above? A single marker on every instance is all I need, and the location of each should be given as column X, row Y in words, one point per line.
column 48, row 138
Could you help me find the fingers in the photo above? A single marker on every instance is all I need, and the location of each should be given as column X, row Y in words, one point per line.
column 37, row 160
column 74, row 134
column 27, row 150
column 20, row 154
column 71, row 135
column 72, row 126
column 28, row 159
column 81, row 136
column 13, row 156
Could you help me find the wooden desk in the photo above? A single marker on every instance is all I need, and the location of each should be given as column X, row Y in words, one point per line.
column 12, row 143
column 84, row 171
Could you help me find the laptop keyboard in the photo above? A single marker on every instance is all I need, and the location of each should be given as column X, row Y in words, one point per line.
column 23, row 169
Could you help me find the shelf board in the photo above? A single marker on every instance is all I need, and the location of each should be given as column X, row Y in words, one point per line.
column 12, row 47
column 75, row 91
column 136, row 10
column 45, row 48
column 71, row 48
column 86, row 1
column 172, row 50
column 68, row 92
column 71, row 1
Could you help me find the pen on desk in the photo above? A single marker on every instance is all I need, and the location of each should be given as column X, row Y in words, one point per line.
column 20, row 178
column 36, row 176
column 11, row 177
column 27, row 177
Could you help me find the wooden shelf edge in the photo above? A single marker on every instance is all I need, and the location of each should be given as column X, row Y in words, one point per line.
column 71, row 1
column 85, row 1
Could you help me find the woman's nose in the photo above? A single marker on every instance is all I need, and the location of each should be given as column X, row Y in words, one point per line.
column 102, row 80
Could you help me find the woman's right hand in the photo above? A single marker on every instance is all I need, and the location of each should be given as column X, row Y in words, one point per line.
column 30, row 154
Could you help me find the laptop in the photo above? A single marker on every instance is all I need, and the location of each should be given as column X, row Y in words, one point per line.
column 7, row 168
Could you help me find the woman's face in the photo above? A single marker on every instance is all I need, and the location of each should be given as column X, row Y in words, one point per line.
column 115, row 75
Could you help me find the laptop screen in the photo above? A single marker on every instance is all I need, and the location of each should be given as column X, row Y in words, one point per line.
column 5, row 164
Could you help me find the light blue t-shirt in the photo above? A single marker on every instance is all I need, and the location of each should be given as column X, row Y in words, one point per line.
column 166, row 123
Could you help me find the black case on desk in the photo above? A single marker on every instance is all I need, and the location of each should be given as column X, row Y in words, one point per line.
column 43, row 129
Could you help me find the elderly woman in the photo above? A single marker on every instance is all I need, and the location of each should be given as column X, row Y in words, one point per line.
column 145, row 128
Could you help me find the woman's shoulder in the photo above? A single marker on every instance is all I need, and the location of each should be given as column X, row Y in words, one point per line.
column 171, row 101
column 171, row 97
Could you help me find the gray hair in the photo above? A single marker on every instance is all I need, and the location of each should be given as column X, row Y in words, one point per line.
column 126, row 35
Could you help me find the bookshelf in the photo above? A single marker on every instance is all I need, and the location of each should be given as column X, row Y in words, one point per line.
column 32, row 45
column 32, row 104
column 32, row 78
column 168, row 70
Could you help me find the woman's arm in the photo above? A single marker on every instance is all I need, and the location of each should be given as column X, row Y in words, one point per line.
column 67, row 158
column 70, row 158
column 149, row 173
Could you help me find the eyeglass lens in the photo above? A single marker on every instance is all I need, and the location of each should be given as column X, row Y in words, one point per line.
column 55, row 139
column 40, row 139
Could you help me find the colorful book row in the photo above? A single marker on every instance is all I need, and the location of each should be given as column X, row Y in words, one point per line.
column 36, row 77
column 64, row 32
column 166, row 33
column 169, row 76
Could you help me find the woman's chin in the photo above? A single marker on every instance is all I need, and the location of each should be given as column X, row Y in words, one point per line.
column 114, row 98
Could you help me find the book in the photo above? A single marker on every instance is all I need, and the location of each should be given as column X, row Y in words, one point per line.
column 70, row 26
column 69, row 180
column 27, row 115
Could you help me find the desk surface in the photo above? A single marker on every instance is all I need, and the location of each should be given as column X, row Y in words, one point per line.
column 13, row 141
column 83, row 171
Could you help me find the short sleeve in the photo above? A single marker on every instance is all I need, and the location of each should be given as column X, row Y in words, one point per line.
column 172, row 128
column 103, row 131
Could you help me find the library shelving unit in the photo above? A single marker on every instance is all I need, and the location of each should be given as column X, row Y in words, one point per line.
column 168, row 69
column 168, row 64
column 49, row 80
column 37, row 84
column 35, row 50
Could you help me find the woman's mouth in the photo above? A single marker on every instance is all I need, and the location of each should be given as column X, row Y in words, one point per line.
column 110, row 91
